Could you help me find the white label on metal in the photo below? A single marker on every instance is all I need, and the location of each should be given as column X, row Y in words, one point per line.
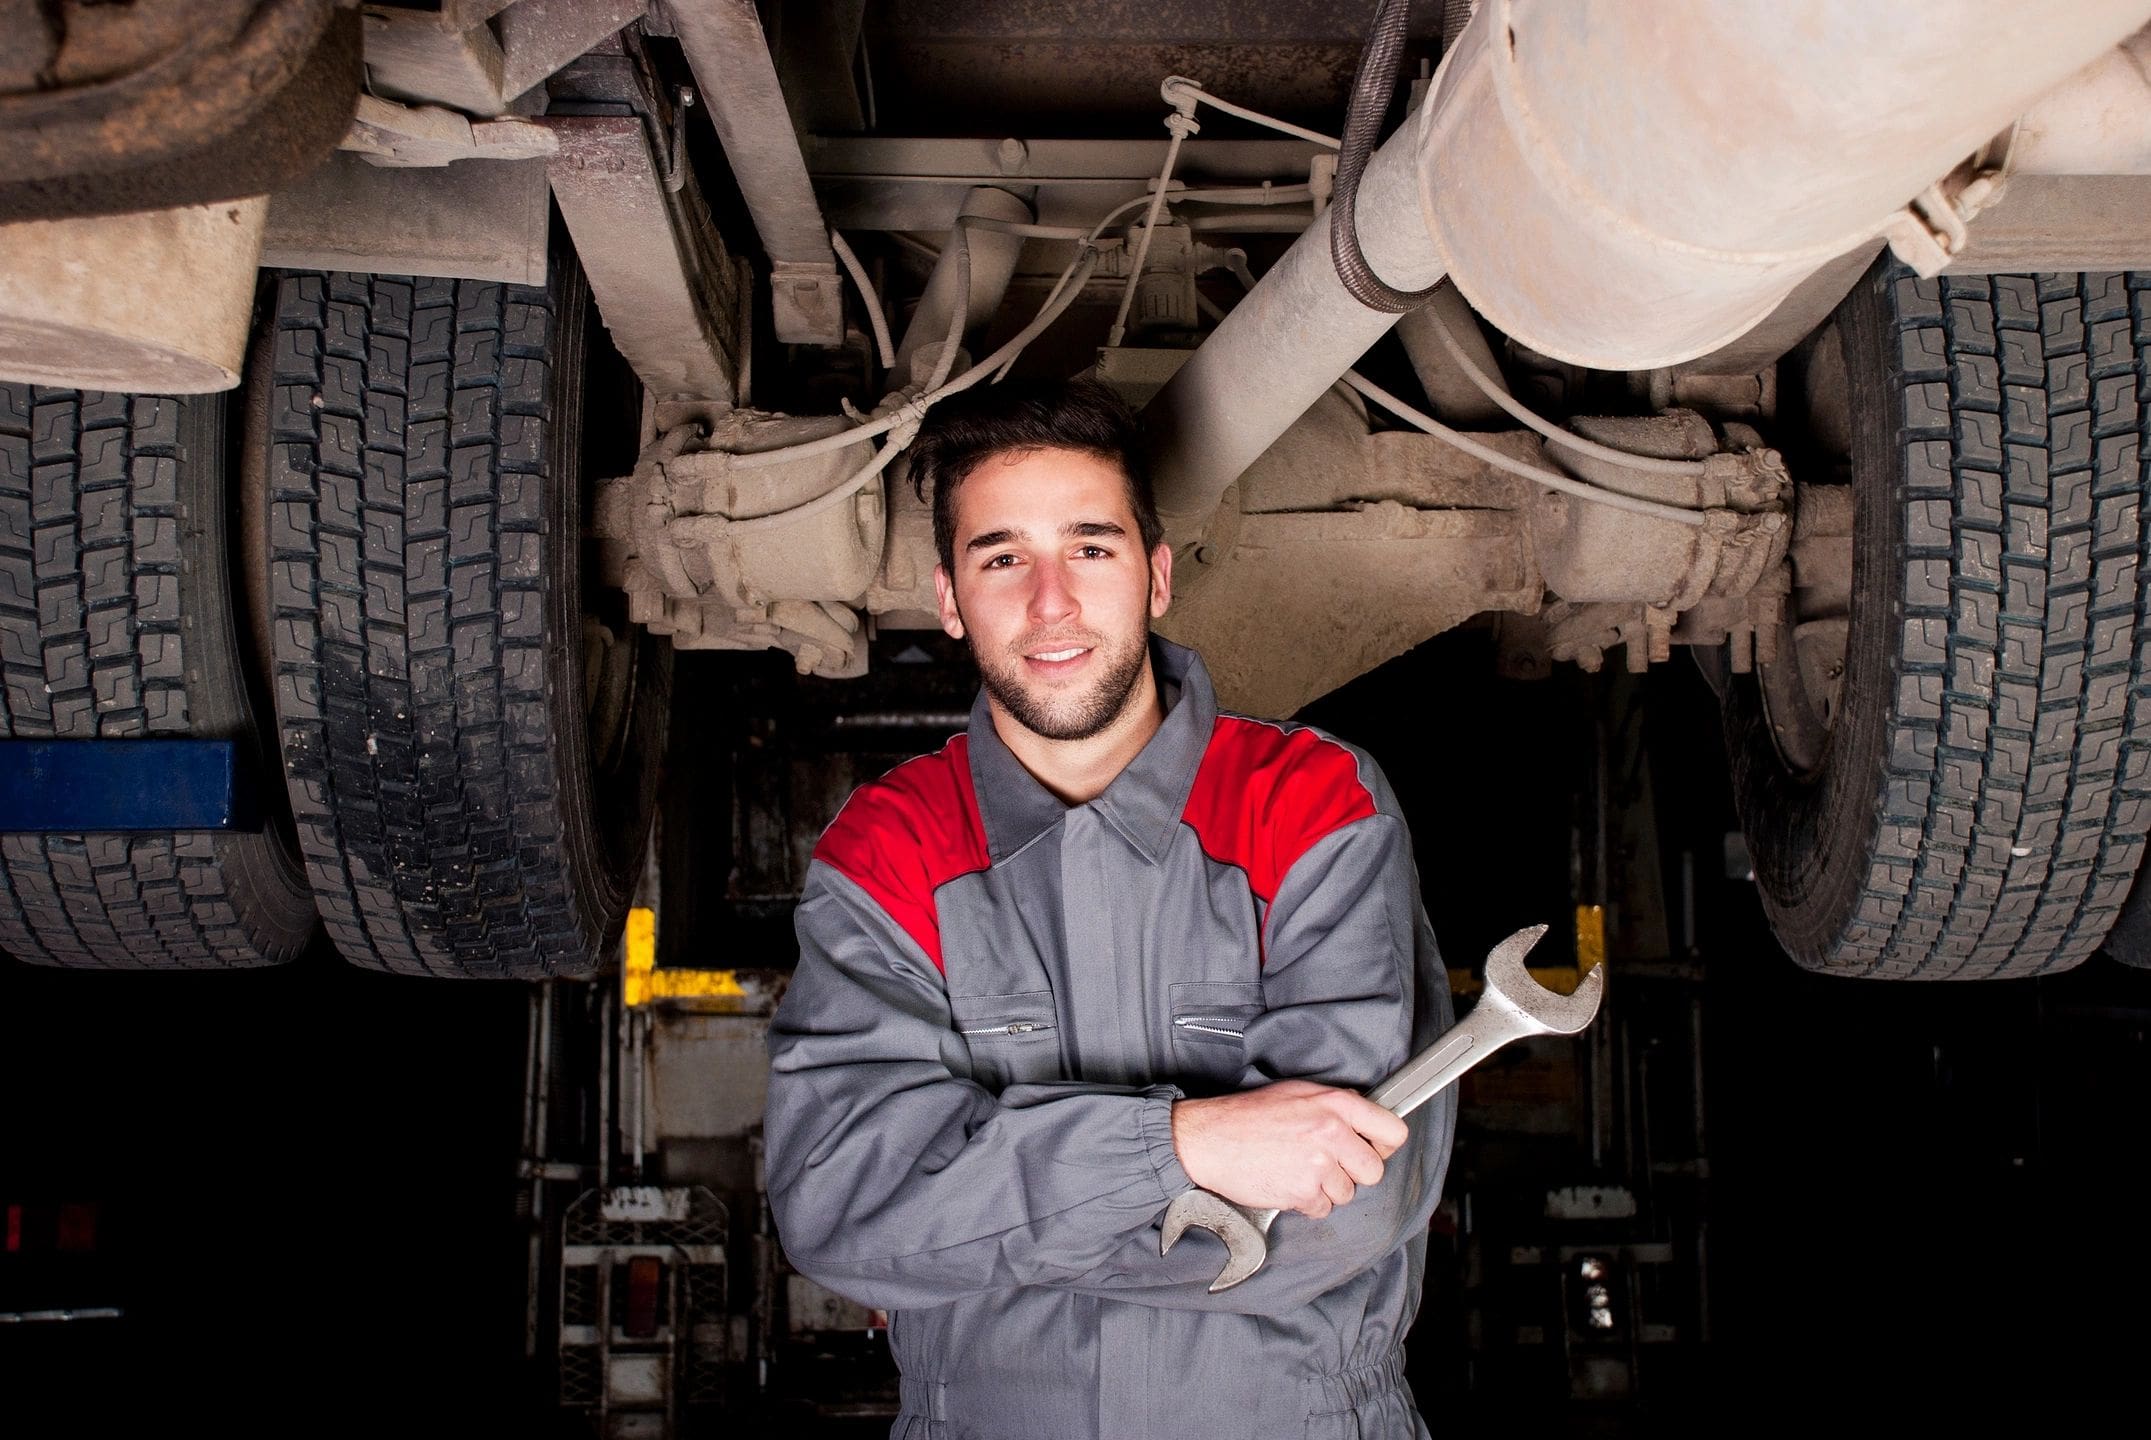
column 644, row 1203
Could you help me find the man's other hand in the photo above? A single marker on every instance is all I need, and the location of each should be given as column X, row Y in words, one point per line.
column 1294, row 1145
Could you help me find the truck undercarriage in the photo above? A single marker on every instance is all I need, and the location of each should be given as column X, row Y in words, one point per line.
column 389, row 393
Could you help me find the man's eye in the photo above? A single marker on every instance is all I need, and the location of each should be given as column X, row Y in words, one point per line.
column 1094, row 552
column 1000, row 562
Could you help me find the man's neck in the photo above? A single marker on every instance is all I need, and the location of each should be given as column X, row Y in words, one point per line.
column 1078, row 771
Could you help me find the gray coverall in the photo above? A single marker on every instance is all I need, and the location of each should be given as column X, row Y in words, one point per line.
column 998, row 999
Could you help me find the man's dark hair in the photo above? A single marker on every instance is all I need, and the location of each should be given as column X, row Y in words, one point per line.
column 1019, row 416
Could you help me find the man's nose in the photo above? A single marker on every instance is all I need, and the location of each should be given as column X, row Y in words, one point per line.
column 1052, row 597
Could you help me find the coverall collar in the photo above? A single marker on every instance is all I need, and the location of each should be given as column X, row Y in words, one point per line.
column 1146, row 798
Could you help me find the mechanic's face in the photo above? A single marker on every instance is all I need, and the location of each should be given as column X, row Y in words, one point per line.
column 1052, row 589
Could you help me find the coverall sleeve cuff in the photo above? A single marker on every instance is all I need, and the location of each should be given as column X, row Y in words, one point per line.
column 1157, row 1128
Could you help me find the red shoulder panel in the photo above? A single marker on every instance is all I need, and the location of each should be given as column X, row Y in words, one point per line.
column 904, row 836
column 1264, row 795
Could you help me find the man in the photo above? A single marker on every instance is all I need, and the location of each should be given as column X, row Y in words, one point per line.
column 1106, row 945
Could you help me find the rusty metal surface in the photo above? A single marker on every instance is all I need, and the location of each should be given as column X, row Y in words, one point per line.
column 729, row 54
column 167, row 102
column 409, row 57
column 665, row 286
column 1067, row 68
column 390, row 135
column 473, row 222
column 537, row 37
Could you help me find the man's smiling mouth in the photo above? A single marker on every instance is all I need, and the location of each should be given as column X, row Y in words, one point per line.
column 1054, row 655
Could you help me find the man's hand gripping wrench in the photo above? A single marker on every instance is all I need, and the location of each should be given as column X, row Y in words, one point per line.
column 1512, row 1007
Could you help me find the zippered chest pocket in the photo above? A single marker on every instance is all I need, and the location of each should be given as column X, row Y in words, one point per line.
column 1209, row 1028
column 1013, row 1039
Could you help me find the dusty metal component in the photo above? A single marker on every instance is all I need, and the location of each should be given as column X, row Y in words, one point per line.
column 455, row 57
column 411, row 57
column 873, row 182
column 537, row 37
column 165, row 103
column 902, row 595
column 401, row 136
column 1164, row 307
column 1628, row 223
column 662, row 280
column 672, row 537
column 445, row 14
column 1282, row 346
column 729, row 54
column 2061, row 222
column 1594, row 552
column 1136, row 373
column 821, row 65
column 1623, row 224
column 1451, row 395
column 155, row 302
column 2097, row 123
column 474, row 222
column 1352, row 548
column 991, row 265
column 1794, row 318
column 1802, row 681
column 1630, row 579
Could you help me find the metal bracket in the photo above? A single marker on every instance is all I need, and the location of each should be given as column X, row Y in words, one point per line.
column 806, row 302
column 1931, row 231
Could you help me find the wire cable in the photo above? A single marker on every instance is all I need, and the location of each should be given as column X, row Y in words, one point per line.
column 1180, row 85
column 1551, row 479
column 882, row 343
column 1566, row 439
column 1179, row 124
column 908, row 415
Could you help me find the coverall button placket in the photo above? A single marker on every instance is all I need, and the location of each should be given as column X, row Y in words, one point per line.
column 1101, row 980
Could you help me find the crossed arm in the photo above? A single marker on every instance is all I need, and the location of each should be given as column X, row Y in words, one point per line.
column 900, row 1182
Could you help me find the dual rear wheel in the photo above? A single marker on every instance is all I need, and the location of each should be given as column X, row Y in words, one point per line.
column 468, row 732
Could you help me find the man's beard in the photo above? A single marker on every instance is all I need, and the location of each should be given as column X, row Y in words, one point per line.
column 1074, row 716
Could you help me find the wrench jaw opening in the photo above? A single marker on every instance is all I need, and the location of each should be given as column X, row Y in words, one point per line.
column 1245, row 1245
column 1510, row 985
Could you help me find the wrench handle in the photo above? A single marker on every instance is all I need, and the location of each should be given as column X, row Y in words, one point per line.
column 1437, row 1067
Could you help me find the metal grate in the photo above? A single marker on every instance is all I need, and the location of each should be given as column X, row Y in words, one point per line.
column 706, row 1223
column 580, row 1379
column 705, row 1293
column 578, row 1295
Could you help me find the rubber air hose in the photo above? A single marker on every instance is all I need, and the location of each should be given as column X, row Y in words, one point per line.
column 1372, row 85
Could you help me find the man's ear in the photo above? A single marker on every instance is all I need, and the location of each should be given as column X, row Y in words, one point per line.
column 945, row 598
column 1161, row 579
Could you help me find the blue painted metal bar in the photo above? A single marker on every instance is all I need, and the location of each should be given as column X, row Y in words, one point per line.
column 71, row 786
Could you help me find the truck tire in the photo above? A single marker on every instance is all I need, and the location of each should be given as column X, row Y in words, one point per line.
column 465, row 806
column 1978, row 809
column 118, row 620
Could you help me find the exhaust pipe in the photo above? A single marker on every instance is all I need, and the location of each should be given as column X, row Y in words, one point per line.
column 1628, row 186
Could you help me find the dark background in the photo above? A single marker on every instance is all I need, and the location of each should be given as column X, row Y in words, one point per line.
column 1931, row 1194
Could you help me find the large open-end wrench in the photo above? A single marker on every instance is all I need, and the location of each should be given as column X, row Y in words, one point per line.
column 1512, row 1007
